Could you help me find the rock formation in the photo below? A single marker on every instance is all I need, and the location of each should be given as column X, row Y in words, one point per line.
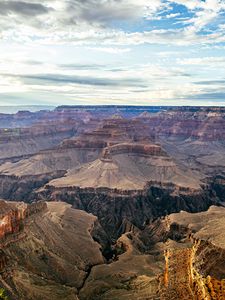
column 46, row 250
column 179, row 257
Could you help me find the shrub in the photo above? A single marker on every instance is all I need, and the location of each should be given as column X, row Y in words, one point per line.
column 3, row 295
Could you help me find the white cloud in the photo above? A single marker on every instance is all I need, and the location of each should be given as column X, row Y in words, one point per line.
column 203, row 61
column 111, row 50
column 205, row 12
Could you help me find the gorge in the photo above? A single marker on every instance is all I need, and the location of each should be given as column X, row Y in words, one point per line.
column 118, row 203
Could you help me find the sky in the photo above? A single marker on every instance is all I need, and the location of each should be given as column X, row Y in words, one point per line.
column 135, row 52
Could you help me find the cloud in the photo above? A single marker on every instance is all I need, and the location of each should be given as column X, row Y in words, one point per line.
column 82, row 66
column 47, row 79
column 203, row 61
column 23, row 8
column 110, row 23
column 73, row 13
column 163, row 17
column 112, row 50
column 214, row 96
column 106, row 12
column 211, row 82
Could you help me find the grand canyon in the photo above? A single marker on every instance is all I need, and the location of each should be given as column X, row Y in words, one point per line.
column 113, row 203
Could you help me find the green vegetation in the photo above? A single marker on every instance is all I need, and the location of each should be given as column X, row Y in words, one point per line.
column 3, row 295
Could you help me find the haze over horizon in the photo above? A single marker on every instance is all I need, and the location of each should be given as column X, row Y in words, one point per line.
column 124, row 52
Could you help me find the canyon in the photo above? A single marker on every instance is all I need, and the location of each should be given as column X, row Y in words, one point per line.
column 113, row 203
column 180, row 256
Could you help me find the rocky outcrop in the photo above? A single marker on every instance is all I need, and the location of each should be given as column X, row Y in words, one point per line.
column 194, row 255
column 12, row 216
column 137, row 149
column 129, row 166
column 52, row 252
column 207, row 270
column 190, row 272
column 11, row 219
column 183, row 258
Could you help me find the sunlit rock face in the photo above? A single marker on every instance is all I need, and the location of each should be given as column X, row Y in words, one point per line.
column 12, row 216
column 10, row 219
column 194, row 265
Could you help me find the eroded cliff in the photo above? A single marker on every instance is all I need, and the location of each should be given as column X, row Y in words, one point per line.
column 47, row 250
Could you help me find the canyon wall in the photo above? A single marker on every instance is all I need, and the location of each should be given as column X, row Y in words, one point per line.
column 22, row 188
column 114, row 207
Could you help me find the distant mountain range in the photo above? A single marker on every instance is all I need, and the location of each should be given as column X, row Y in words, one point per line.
column 32, row 108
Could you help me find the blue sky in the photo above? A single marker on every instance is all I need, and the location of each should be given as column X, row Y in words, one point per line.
column 147, row 52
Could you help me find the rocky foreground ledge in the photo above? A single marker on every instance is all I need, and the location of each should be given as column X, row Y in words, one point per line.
column 178, row 257
column 46, row 250
column 52, row 251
